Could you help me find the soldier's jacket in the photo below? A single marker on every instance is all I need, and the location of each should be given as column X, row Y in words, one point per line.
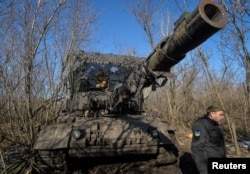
column 207, row 142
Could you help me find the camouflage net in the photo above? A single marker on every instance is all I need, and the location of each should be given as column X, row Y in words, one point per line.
column 75, row 59
column 130, row 78
column 83, row 65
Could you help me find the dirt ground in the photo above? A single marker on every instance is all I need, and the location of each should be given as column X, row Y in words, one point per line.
column 184, row 166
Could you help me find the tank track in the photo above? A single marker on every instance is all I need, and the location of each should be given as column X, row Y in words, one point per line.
column 166, row 156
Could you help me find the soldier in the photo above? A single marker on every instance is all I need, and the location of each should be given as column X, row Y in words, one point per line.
column 208, row 140
column 86, row 113
column 102, row 80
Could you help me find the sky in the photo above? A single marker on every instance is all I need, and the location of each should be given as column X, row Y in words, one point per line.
column 117, row 30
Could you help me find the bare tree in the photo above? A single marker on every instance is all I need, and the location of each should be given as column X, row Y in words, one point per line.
column 147, row 15
column 196, row 87
column 231, row 124
column 37, row 36
column 237, row 33
column 144, row 12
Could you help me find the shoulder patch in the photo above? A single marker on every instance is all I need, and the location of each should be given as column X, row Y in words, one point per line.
column 197, row 133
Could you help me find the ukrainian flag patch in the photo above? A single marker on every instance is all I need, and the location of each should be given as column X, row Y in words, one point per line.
column 197, row 133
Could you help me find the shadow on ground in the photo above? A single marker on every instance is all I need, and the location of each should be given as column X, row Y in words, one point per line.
column 187, row 164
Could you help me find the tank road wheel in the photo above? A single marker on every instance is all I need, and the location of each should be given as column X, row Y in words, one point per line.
column 53, row 161
column 168, row 154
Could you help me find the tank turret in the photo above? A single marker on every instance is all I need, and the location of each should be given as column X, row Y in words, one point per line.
column 103, row 116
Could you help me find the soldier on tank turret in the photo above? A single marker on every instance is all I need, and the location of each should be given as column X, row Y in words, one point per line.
column 88, row 113
column 102, row 80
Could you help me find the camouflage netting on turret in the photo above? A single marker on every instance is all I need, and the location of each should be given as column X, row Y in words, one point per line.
column 83, row 65
column 75, row 59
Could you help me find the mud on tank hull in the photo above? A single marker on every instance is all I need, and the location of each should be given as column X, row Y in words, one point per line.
column 76, row 137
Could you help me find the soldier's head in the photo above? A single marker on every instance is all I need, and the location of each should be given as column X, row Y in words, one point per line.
column 216, row 113
column 86, row 112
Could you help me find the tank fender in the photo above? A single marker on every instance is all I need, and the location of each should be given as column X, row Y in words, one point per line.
column 54, row 137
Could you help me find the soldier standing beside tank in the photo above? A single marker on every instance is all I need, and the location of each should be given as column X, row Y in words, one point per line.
column 208, row 140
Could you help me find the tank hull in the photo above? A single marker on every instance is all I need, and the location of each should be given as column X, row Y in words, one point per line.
column 112, row 136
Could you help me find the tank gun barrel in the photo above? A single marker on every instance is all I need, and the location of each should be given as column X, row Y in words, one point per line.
column 191, row 29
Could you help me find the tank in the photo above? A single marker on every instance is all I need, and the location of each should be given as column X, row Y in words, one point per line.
column 104, row 117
